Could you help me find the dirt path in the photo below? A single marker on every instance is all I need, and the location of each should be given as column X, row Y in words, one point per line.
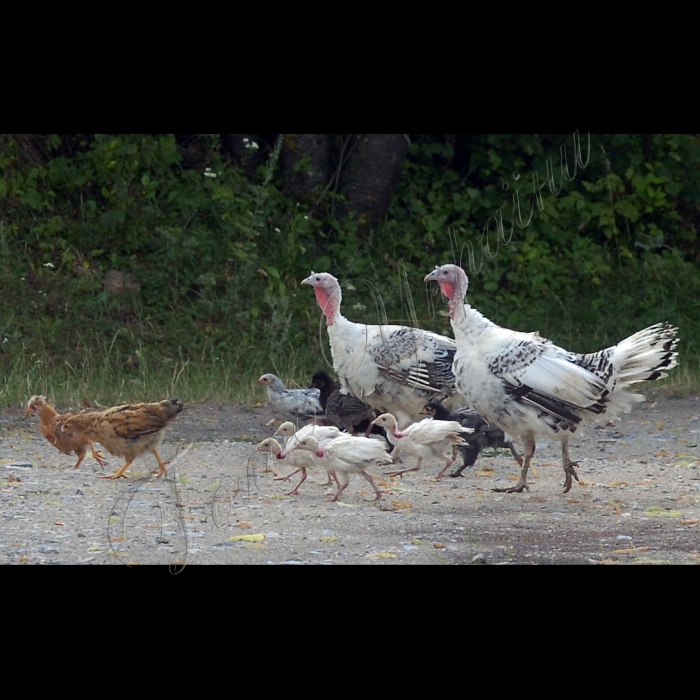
column 638, row 502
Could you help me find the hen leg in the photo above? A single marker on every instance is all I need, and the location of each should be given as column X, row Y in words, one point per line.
column 522, row 483
column 568, row 466
column 295, row 490
column 162, row 471
column 414, row 468
column 81, row 456
column 99, row 457
column 119, row 472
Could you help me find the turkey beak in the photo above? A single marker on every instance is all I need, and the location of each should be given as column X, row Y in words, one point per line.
column 307, row 281
column 432, row 276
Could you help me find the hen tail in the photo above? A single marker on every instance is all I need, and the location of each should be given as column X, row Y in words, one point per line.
column 132, row 421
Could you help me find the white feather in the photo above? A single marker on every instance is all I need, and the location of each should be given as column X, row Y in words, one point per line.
column 391, row 368
column 529, row 387
column 345, row 454
column 425, row 439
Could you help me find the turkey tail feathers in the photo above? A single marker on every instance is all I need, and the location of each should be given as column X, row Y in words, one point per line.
column 646, row 355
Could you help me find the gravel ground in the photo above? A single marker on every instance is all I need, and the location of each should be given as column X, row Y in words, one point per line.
column 638, row 501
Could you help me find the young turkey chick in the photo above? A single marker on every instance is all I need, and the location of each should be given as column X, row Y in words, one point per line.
column 273, row 447
column 294, row 458
column 345, row 411
column 50, row 423
column 127, row 431
column 293, row 404
column 428, row 438
column 345, row 454
column 484, row 435
column 323, row 433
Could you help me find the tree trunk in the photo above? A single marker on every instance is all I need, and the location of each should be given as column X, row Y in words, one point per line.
column 370, row 177
column 306, row 165
column 242, row 150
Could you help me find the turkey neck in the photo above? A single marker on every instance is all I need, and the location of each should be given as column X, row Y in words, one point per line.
column 465, row 320
column 329, row 300
column 468, row 322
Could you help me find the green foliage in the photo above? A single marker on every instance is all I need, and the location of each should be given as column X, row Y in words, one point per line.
column 219, row 254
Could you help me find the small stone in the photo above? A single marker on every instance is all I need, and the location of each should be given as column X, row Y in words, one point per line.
column 623, row 538
column 478, row 559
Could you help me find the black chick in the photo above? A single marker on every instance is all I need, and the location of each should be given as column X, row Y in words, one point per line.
column 484, row 435
column 345, row 411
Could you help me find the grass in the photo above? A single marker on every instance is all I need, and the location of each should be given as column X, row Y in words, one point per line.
column 682, row 381
column 60, row 336
column 96, row 378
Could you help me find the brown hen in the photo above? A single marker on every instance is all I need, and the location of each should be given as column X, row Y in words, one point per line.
column 127, row 431
column 51, row 424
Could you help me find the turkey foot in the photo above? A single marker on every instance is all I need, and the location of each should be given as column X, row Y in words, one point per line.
column 569, row 471
column 518, row 488
column 441, row 473
column 402, row 471
column 279, row 477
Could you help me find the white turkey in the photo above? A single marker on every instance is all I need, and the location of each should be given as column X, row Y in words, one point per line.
column 428, row 438
column 271, row 446
column 529, row 387
column 346, row 454
column 484, row 435
column 293, row 404
column 391, row 368
column 283, row 458
column 302, row 460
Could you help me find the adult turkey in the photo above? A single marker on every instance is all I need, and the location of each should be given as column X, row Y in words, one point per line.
column 391, row 368
column 529, row 387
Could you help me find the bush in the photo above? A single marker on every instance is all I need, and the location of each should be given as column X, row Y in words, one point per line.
column 218, row 253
